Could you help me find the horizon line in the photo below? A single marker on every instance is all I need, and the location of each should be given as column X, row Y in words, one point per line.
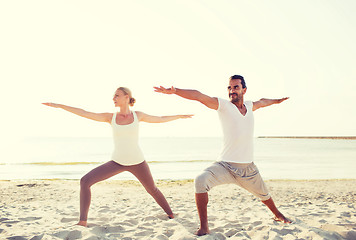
column 315, row 136
column 311, row 137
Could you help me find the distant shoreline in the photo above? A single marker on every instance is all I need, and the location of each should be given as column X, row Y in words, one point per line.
column 312, row 137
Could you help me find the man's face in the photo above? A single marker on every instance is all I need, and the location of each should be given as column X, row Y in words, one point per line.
column 236, row 91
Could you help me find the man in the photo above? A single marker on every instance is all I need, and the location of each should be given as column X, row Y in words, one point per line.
column 235, row 163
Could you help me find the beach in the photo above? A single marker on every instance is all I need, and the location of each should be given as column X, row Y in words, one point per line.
column 49, row 209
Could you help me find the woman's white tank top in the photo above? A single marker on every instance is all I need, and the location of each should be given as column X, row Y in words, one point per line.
column 126, row 149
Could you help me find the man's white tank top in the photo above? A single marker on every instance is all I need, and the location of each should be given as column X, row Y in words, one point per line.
column 127, row 152
column 238, row 132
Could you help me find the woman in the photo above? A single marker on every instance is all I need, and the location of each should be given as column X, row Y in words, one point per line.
column 127, row 155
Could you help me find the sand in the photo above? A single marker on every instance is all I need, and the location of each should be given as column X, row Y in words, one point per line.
column 48, row 209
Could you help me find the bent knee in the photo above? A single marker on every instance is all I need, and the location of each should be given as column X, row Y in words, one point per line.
column 152, row 190
column 263, row 197
column 202, row 181
column 85, row 182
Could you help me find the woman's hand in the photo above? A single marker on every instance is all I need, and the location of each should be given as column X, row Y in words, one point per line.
column 100, row 117
column 159, row 119
column 55, row 105
column 186, row 116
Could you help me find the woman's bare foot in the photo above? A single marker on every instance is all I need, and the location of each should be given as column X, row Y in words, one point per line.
column 171, row 216
column 202, row 232
column 82, row 223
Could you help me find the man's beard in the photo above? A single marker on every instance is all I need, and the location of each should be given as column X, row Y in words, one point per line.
column 235, row 99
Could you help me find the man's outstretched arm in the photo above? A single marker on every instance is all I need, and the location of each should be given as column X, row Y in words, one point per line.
column 210, row 102
column 264, row 102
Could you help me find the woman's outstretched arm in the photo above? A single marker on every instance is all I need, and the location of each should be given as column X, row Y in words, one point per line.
column 100, row 117
column 159, row 119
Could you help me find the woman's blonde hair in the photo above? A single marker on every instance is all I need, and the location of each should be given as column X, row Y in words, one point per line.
column 128, row 92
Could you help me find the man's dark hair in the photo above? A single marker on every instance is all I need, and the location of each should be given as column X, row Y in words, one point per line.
column 241, row 78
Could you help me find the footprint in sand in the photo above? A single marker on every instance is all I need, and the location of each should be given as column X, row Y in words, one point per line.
column 75, row 234
column 110, row 236
column 162, row 237
column 257, row 223
column 133, row 221
column 115, row 229
column 285, row 231
column 74, row 214
column 146, row 224
column 131, row 214
column 218, row 236
column 186, row 215
column 124, row 224
column 10, row 222
column 230, row 233
column 168, row 233
column 130, row 223
column 104, row 230
column 104, row 220
column 231, row 225
column 104, row 210
column 155, row 209
column 39, row 237
column 150, row 218
column 262, row 228
column 243, row 235
column 16, row 238
column 345, row 214
column 218, row 229
column 144, row 233
column 245, row 219
column 170, row 224
column 65, row 220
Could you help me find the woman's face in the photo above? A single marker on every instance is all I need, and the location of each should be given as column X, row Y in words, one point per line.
column 120, row 98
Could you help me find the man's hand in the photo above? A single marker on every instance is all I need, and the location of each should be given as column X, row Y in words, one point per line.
column 281, row 99
column 161, row 89
column 264, row 102
column 191, row 94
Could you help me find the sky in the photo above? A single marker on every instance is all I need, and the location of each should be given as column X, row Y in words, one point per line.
column 78, row 52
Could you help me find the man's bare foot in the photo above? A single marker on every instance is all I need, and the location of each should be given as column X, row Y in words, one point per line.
column 82, row 223
column 202, row 232
column 282, row 218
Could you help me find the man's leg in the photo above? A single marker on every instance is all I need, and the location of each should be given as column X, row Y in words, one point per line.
column 209, row 178
column 252, row 181
column 201, row 200
column 278, row 215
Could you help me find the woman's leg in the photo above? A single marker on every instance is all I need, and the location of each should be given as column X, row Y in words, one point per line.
column 98, row 174
column 143, row 174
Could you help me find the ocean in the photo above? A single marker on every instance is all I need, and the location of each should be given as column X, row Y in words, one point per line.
column 180, row 158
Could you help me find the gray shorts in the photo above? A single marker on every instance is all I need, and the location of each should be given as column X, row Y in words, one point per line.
column 246, row 175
